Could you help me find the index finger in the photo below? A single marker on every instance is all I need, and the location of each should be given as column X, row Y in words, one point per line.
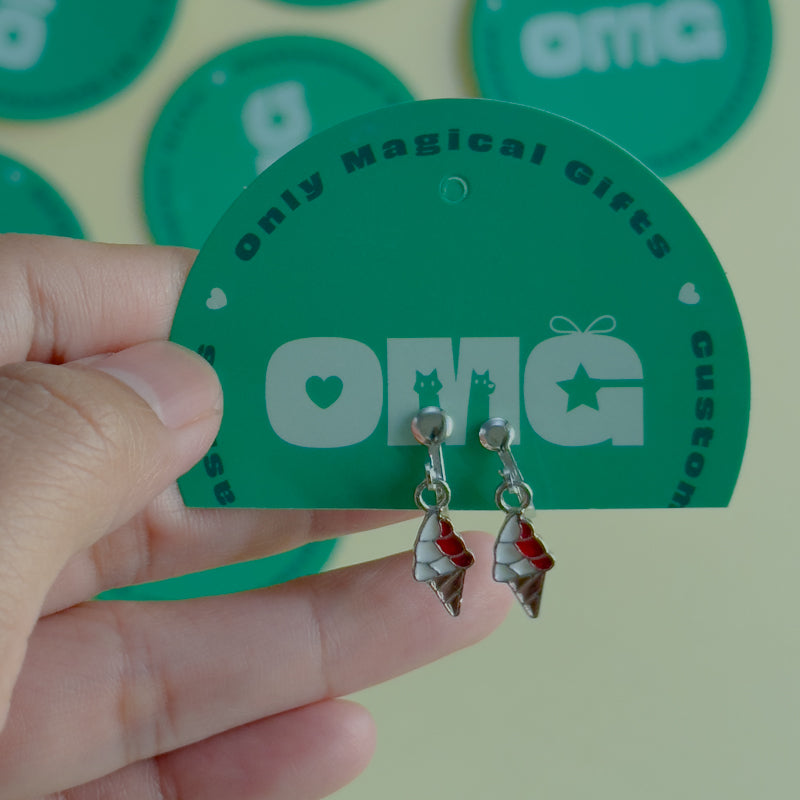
column 63, row 299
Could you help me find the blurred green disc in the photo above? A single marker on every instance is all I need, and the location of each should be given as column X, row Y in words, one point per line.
column 58, row 57
column 240, row 112
column 31, row 205
column 669, row 80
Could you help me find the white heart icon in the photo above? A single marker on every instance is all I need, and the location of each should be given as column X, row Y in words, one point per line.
column 217, row 299
column 688, row 294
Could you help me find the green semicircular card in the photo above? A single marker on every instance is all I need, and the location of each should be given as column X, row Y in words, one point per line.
column 31, row 205
column 669, row 80
column 488, row 258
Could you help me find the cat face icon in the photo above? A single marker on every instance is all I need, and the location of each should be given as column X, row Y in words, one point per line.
column 482, row 383
column 428, row 388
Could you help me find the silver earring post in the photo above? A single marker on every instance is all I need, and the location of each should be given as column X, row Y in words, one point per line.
column 497, row 435
column 432, row 427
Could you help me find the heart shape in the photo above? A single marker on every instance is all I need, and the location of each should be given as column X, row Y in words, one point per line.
column 324, row 392
column 688, row 295
column 217, row 299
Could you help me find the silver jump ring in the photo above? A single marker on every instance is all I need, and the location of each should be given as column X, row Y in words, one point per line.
column 523, row 492
column 441, row 489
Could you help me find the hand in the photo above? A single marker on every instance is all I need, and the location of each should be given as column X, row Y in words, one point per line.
column 228, row 697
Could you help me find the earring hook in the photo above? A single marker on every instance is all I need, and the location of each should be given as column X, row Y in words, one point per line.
column 498, row 434
column 431, row 427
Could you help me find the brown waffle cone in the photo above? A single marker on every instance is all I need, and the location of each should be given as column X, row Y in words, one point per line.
column 450, row 588
column 528, row 590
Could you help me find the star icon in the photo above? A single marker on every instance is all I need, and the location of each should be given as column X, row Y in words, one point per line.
column 582, row 389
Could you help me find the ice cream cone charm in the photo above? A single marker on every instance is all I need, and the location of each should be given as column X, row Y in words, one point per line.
column 522, row 561
column 520, row 558
column 441, row 558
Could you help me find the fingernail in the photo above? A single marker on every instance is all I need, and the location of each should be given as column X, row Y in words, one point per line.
column 179, row 385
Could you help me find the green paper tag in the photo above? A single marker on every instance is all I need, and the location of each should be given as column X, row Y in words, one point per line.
column 488, row 258
column 31, row 205
column 670, row 80
column 239, row 113
column 61, row 56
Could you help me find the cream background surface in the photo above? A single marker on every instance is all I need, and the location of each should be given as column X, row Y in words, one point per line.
column 666, row 663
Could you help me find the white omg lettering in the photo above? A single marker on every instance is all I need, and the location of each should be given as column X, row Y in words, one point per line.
column 561, row 44
column 578, row 388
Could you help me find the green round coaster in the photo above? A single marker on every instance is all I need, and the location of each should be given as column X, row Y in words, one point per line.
column 239, row 113
column 669, row 80
column 58, row 57
column 31, row 205
column 488, row 258
column 304, row 560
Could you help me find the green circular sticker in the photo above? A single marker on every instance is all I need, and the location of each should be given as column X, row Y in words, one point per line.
column 669, row 80
column 487, row 258
column 31, row 205
column 239, row 113
column 57, row 57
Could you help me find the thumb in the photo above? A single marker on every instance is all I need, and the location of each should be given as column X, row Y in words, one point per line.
column 85, row 446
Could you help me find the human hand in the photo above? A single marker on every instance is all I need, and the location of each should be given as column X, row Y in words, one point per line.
column 227, row 697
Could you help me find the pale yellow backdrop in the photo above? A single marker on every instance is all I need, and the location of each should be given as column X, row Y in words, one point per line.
column 667, row 660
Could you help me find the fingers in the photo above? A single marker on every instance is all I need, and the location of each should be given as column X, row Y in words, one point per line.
column 167, row 539
column 63, row 299
column 142, row 679
column 83, row 449
column 299, row 755
column 304, row 754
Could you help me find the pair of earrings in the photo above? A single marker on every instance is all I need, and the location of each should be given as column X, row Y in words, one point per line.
column 441, row 558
